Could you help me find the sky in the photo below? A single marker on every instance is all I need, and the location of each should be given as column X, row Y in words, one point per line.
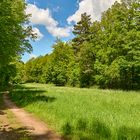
column 53, row 19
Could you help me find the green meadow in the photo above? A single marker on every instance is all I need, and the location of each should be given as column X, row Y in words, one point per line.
column 83, row 114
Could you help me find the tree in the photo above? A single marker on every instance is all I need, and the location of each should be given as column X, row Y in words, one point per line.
column 105, row 53
column 13, row 33
column 56, row 68
column 117, row 59
column 81, row 31
column 19, row 73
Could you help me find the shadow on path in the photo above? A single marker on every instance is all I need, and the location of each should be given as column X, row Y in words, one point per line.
column 10, row 133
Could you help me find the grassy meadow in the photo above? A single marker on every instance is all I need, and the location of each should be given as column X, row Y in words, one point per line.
column 83, row 114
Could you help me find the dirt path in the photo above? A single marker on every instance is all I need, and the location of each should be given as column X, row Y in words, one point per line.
column 10, row 128
column 37, row 129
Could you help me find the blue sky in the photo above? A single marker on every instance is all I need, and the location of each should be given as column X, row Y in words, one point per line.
column 60, row 11
column 54, row 18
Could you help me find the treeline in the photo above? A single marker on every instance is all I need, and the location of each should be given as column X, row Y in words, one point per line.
column 13, row 37
column 104, row 53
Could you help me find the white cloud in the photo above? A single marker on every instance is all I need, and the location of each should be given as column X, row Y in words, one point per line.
column 91, row 7
column 43, row 17
column 58, row 31
column 38, row 33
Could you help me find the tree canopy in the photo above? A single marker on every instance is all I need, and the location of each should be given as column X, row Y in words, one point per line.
column 14, row 34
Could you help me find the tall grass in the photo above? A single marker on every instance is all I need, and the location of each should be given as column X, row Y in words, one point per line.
column 83, row 113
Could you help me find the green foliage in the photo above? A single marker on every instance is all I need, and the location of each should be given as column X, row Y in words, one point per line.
column 86, row 64
column 60, row 59
column 13, row 35
column 73, row 72
column 20, row 76
column 53, row 68
column 34, row 69
column 81, row 30
column 104, row 53
column 7, row 72
column 119, row 51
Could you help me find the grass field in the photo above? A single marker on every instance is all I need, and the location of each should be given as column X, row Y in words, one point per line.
column 83, row 114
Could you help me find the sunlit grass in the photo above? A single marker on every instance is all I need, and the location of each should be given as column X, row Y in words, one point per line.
column 83, row 113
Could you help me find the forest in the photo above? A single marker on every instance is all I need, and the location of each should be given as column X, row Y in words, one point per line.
column 14, row 37
column 103, row 53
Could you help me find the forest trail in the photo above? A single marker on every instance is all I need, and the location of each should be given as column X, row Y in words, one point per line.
column 32, row 128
